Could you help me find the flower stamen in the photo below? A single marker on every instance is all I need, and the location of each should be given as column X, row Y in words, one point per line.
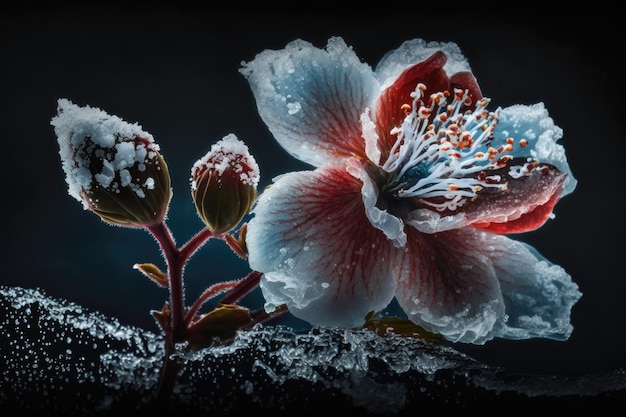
column 442, row 154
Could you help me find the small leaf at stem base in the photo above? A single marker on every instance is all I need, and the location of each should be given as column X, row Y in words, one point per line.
column 403, row 327
column 221, row 323
column 162, row 317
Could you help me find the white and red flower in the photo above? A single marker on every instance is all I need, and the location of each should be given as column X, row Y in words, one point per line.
column 415, row 186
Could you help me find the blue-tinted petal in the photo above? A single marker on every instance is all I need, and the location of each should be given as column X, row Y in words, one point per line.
column 312, row 99
column 539, row 295
column 472, row 286
column 319, row 254
column 533, row 124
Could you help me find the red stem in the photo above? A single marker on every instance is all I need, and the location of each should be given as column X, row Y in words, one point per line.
column 195, row 243
column 247, row 284
column 175, row 263
column 209, row 293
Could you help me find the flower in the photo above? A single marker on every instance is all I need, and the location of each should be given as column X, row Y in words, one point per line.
column 223, row 184
column 415, row 186
column 113, row 167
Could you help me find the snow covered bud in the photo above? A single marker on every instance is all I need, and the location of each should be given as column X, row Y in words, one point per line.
column 223, row 184
column 113, row 167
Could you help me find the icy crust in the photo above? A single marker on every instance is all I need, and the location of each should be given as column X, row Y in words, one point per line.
column 58, row 358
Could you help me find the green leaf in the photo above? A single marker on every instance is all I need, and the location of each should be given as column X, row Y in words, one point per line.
column 221, row 323
column 154, row 273
column 402, row 327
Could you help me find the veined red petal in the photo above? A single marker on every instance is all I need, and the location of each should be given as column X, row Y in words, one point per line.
column 465, row 80
column 448, row 285
column 471, row 286
column 389, row 112
column 318, row 251
column 525, row 205
column 527, row 221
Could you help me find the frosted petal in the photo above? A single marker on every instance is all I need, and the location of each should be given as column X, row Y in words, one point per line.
column 526, row 205
column 312, row 99
column 319, row 255
column 473, row 286
column 448, row 285
column 417, row 50
column 535, row 125
column 390, row 225
column 538, row 295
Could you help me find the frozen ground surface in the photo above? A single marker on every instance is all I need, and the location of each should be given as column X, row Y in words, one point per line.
column 57, row 358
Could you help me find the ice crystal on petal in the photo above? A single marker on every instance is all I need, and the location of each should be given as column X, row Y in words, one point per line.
column 59, row 358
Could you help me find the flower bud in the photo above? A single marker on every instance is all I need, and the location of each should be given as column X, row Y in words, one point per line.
column 113, row 167
column 223, row 184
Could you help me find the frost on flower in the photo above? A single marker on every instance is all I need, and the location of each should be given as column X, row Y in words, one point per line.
column 417, row 180
column 112, row 167
column 224, row 183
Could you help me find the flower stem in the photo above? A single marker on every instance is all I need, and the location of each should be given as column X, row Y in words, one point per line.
column 175, row 264
column 209, row 293
column 195, row 243
column 174, row 331
column 243, row 287
column 178, row 320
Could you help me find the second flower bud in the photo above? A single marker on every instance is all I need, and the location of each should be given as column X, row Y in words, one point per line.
column 224, row 184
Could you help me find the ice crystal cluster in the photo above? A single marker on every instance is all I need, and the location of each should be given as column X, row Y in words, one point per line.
column 59, row 358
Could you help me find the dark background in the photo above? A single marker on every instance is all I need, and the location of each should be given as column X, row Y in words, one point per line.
column 174, row 70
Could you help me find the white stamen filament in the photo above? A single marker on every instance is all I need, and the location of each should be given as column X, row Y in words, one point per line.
column 453, row 151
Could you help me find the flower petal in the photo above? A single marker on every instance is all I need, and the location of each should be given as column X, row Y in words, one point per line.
column 539, row 295
column 389, row 113
column 392, row 226
column 535, row 125
column 431, row 73
column 312, row 99
column 318, row 252
column 448, row 285
column 525, row 205
column 472, row 286
column 417, row 50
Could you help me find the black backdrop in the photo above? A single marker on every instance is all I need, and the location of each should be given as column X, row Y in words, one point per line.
column 175, row 71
